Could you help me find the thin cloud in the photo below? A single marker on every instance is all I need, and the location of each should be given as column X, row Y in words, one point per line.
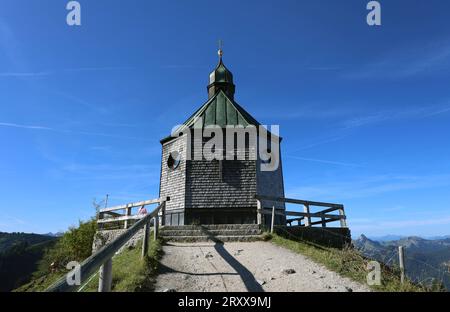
column 323, row 141
column 435, row 58
column 56, row 72
column 44, row 128
column 7, row 124
column 24, row 74
column 412, row 113
column 90, row 69
column 329, row 162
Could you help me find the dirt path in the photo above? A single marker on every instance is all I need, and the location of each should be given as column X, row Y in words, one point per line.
column 258, row 266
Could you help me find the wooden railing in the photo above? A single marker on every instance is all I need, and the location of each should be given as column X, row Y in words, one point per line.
column 102, row 259
column 110, row 218
column 306, row 216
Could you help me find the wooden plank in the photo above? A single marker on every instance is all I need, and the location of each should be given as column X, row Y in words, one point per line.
column 302, row 214
column 259, row 212
column 105, row 277
column 296, row 219
column 329, row 210
column 114, row 214
column 324, row 224
column 155, row 227
column 128, row 213
column 343, row 220
column 326, row 221
column 307, row 215
column 272, row 223
column 298, row 201
column 145, row 240
column 133, row 205
column 314, row 215
column 93, row 263
column 122, row 218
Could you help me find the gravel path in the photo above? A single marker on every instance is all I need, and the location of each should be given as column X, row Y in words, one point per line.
column 256, row 266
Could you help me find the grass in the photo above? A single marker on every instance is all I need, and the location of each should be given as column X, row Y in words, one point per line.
column 348, row 263
column 130, row 272
column 40, row 284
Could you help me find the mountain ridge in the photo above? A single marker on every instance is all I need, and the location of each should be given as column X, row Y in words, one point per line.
column 426, row 261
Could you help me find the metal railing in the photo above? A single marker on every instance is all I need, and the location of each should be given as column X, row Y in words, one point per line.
column 102, row 259
column 306, row 216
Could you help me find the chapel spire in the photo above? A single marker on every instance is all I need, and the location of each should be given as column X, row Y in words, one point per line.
column 221, row 78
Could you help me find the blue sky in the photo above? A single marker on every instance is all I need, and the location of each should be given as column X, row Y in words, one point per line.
column 364, row 111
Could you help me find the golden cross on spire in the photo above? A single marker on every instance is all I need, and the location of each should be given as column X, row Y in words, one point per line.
column 220, row 52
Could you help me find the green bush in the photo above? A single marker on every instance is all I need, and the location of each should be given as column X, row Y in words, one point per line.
column 74, row 245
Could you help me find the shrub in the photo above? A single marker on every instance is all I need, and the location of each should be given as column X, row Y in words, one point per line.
column 74, row 245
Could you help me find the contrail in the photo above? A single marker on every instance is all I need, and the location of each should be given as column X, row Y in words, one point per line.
column 33, row 127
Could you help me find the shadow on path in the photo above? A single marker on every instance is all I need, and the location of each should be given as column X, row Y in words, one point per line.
column 166, row 270
column 247, row 277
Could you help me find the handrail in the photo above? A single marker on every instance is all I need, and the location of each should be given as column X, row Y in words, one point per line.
column 132, row 205
column 90, row 266
column 298, row 201
column 113, row 216
column 306, row 215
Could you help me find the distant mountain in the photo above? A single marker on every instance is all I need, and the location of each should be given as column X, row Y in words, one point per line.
column 19, row 256
column 57, row 234
column 393, row 237
column 438, row 237
column 386, row 238
column 8, row 240
column 425, row 259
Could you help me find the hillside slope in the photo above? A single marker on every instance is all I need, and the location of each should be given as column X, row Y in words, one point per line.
column 19, row 257
column 425, row 260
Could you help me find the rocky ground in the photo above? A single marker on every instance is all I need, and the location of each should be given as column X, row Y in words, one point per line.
column 256, row 266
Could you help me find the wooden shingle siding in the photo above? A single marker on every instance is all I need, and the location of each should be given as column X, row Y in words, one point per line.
column 234, row 188
column 173, row 182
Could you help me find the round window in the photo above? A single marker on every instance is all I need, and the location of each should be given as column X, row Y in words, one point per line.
column 174, row 160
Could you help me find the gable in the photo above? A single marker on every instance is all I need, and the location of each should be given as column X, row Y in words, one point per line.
column 219, row 110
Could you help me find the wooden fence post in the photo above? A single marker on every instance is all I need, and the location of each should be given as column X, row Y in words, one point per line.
column 163, row 213
column 342, row 220
column 155, row 227
column 273, row 219
column 128, row 213
column 308, row 217
column 101, row 215
column 145, row 240
column 401, row 261
column 324, row 224
column 259, row 212
column 105, row 276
